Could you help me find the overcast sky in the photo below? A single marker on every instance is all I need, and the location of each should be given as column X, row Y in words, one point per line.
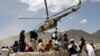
column 86, row 18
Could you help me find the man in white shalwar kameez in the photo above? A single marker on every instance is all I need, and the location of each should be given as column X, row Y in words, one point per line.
column 90, row 50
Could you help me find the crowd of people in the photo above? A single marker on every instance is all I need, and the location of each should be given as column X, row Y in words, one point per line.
column 58, row 41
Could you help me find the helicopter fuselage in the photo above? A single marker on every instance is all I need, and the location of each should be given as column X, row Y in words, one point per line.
column 49, row 24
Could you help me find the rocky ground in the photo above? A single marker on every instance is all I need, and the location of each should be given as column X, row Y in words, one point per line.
column 50, row 53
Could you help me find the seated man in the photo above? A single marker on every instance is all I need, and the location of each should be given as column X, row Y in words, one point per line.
column 48, row 45
column 15, row 46
column 40, row 46
column 4, row 51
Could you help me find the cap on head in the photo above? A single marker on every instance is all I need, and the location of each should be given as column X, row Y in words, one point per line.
column 71, row 40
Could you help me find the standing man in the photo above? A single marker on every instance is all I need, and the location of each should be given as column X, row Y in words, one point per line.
column 54, row 36
column 65, row 41
column 81, row 43
column 89, row 49
column 22, row 41
column 55, row 43
column 73, row 48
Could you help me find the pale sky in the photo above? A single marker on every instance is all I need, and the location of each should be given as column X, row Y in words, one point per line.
column 86, row 18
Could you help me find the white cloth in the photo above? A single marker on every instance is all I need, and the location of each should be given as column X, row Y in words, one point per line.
column 78, row 48
column 74, row 55
column 55, row 42
column 13, row 54
column 53, row 35
column 90, row 50
column 70, row 46
column 80, row 42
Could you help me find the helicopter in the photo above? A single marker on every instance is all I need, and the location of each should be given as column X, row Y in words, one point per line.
column 51, row 22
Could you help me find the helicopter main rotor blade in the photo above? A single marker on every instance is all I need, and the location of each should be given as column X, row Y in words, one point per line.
column 46, row 9
column 78, row 5
column 61, row 11
column 31, row 18
column 66, row 12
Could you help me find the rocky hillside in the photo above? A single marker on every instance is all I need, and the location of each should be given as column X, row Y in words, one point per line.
column 97, row 34
column 10, row 40
column 76, row 34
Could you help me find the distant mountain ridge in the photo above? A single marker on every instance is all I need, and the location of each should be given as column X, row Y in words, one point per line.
column 75, row 34
column 96, row 34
